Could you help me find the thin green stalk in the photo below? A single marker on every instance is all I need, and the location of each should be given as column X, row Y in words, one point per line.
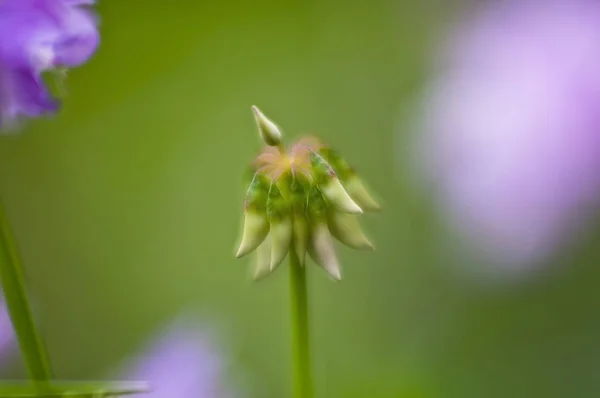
column 300, row 337
column 15, row 293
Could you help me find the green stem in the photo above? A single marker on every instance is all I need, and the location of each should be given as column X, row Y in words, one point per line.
column 15, row 293
column 300, row 337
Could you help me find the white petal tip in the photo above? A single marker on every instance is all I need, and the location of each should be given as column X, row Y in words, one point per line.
column 242, row 251
column 355, row 209
column 349, row 206
column 335, row 275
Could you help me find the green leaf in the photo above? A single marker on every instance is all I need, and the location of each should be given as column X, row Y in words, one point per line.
column 93, row 389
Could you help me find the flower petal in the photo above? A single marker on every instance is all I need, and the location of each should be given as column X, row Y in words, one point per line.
column 23, row 94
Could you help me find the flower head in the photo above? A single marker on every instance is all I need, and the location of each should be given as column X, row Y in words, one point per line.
column 513, row 126
column 299, row 200
column 38, row 36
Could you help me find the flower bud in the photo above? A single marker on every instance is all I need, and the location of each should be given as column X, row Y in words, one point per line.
column 281, row 237
column 322, row 251
column 256, row 228
column 298, row 200
column 320, row 247
column 331, row 187
column 280, row 221
column 345, row 228
column 256, row 225
column 263, row 260
column 360, row 194
column 353, row 185
column 269, row 132
column 337, row 195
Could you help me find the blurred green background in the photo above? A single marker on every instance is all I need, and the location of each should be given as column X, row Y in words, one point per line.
column 127, row 207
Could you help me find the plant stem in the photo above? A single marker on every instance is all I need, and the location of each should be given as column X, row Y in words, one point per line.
column 300, row 337
column 15, row 293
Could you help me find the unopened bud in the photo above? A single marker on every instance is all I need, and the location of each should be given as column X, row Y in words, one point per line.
column 320, row 247
column 335, row 193
column 360, row 194
column 256, row 225
column 300, row 199
column 352, row 183
column 256, row 228
column 331, row 187
column 281, row 237
column 345, row 228
column 322, row 251
column 269, row 132
column 263, row 260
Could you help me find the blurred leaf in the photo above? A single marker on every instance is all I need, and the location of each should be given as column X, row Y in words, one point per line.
column 73, row 389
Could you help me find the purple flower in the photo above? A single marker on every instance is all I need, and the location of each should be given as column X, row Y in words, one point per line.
column 512, row 126
column 7, row 336
column 36, row 36
column 180, row 362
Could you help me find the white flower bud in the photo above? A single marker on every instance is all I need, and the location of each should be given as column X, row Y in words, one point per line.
column 359, row 193
column 322, row 251
column 256, row 228
column 335, row 193
column 345, row 228
column 281, row 238
column 269, row 132
column 263, row 260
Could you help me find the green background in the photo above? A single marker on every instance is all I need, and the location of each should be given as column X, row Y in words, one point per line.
column 127, row 207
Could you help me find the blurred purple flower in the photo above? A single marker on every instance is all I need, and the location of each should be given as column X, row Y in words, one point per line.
column 7, row 336
column 181, row 362
column 512, row 126
column 36, row 36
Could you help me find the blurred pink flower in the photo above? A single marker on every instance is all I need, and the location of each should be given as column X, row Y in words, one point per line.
column 512, row 126
column 181, row 362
